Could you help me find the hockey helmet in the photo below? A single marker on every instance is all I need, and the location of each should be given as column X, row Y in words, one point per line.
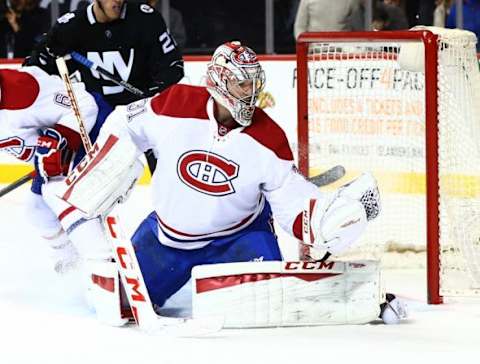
column 234, row 79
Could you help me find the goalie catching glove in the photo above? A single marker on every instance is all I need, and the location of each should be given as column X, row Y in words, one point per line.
column 336, row 222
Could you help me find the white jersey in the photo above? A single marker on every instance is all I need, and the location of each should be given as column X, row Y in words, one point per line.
column 30, row 100
column 207, row 185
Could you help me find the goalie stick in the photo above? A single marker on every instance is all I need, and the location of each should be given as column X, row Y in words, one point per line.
column 127, row 263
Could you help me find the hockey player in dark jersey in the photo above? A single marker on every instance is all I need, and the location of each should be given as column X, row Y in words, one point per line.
column 130, row 40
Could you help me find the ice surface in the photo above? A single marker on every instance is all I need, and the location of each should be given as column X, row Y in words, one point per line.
column 45, row 318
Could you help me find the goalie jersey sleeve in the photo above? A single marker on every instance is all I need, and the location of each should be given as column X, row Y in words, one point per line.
column 207, row 185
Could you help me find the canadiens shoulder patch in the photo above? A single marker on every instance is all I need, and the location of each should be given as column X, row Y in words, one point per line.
column 268, row 133
column 182, row 101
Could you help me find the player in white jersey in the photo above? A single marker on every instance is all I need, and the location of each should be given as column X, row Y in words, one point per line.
column 224, row 166
column 38, row 126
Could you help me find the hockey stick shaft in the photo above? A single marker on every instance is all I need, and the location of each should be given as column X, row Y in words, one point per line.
column 89, row 64
column 111, row 220
column 63, row 70
column 330, row 176
column 17, row 183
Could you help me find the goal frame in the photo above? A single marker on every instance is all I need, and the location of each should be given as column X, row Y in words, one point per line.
column 430, row 41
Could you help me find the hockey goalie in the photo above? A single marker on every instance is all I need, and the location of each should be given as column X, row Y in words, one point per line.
column 225, row 170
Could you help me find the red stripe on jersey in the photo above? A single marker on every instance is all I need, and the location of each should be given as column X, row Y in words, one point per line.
column 268, row 133
column 213, row 283
column 186, row 235
column 182, row 101
column 19, row 89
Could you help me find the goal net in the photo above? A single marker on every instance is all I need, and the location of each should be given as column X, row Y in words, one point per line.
column 405, row 106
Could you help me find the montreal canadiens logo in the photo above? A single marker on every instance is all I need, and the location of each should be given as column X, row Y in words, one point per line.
column 207, row 172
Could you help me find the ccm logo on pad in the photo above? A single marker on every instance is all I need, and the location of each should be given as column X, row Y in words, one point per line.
column 207, row 173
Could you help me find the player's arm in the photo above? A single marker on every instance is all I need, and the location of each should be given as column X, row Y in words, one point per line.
column 165, row 61
column 57, row 144
column 331, row 222
column 58, row 41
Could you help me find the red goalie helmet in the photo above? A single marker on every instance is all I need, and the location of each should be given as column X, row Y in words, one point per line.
column 234, row 79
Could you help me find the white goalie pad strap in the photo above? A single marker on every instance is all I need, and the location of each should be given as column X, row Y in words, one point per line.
column 268, row 294
column 105, row 176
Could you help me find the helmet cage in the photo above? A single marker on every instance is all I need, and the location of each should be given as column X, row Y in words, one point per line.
column 235, row 79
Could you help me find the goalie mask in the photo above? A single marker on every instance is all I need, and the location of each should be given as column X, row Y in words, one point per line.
column 234, row 79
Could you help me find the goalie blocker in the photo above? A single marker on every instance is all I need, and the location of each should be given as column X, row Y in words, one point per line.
column 269, row 294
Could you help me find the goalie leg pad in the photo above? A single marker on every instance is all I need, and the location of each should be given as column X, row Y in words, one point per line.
column 288, row 293
column 104, row 293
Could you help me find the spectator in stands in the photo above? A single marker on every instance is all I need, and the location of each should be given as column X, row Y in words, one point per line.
column 20, row 27
column 395, row 15
column 357, row 19
column 440, row 13
column 292, row 13
column 379, row 18
column 471, row 17
column 324, row 15
column 420, row 12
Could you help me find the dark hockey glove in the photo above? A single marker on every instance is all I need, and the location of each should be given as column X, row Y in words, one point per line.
column 52, row 157
column 44, row 57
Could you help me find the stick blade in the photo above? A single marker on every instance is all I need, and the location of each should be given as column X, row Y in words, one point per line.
column 330, row 176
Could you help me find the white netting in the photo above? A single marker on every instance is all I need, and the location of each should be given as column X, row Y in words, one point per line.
column 367, row 113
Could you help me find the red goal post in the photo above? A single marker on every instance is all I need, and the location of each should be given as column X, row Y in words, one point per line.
column 349, row 119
